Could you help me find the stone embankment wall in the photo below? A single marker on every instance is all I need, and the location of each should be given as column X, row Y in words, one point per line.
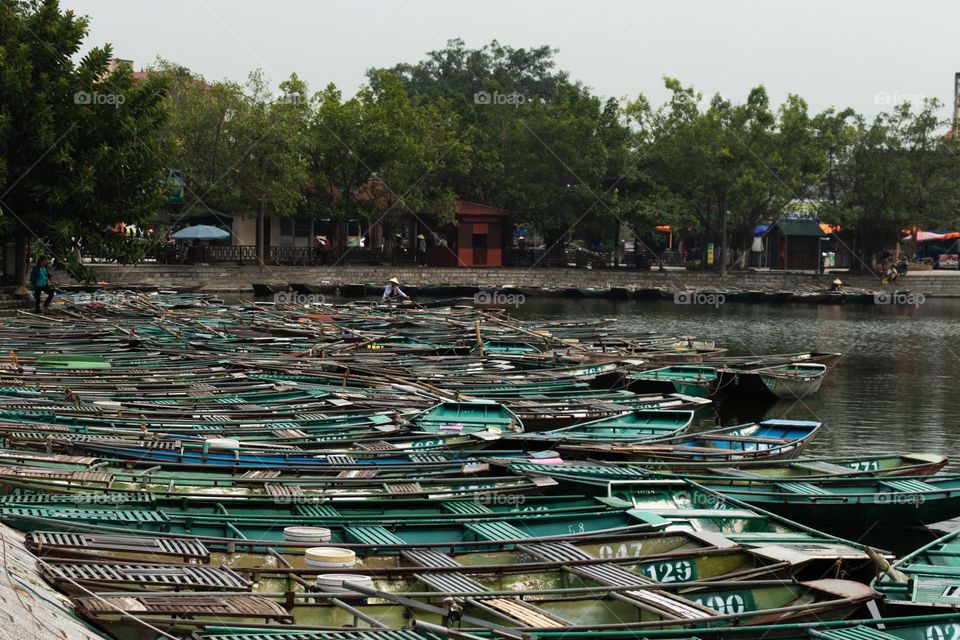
column 232, row 278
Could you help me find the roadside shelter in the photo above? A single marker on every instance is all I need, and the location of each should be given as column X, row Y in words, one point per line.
column 793, row 242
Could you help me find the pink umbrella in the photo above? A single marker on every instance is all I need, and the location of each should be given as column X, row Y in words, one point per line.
column 923, row 236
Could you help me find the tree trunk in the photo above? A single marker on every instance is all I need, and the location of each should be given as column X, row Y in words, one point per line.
column 259, row 235
column 616, row 245
column 723, row 242
column 20, row 259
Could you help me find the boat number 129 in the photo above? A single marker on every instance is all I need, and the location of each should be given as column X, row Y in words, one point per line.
column 679, row 571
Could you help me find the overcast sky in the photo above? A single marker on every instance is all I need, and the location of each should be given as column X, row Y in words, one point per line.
column 863, row 54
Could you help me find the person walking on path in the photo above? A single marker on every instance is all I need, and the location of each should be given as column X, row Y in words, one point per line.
column 421, row 250
column 40, row 281
column 393, row 290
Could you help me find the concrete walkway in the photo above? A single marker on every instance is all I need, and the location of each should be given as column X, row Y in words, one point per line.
column 238, row 279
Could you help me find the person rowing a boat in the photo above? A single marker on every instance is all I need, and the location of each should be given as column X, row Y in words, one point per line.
column 393, row 290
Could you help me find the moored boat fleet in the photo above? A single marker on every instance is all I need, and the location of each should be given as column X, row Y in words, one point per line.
column 183, row 467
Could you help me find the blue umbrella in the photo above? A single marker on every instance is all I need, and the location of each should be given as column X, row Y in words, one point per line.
column 201, row 232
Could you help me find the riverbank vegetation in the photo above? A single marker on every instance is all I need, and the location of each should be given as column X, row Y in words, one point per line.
column 498, row 125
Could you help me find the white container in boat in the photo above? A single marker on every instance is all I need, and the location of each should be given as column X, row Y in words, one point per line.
column 223, row 443
column 333, row 582
column 307, row 534
column 330, row 558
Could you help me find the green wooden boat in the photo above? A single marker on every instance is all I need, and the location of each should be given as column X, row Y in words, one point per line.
column 477, row 417
column 795, row 380
column 660, row 556
column 633, row 426
column 688, row 506
column 927, row 627
column 72, row 361
column 588, row 602
column 691, row 380
column 767, row 440
column 166, row 486
column 439, row 522
column 844, row 504
column 908, row 464
column 497, row 347
column 905, row 464
column 927, row 579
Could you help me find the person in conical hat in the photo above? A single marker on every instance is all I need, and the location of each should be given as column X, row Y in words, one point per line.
column 837, row 285
column 393, row 290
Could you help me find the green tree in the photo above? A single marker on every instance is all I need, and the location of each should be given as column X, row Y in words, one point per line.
column 379, row 154
column 240, row 147
column 78, row 150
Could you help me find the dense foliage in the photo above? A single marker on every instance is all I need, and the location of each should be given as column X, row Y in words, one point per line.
column 496, row 125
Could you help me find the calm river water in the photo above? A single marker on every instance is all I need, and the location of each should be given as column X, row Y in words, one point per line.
column 896, row 388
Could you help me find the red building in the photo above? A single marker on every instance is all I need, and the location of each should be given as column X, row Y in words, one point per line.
column 476, row 240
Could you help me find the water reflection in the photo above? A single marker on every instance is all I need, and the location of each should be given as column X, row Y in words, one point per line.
column 895, row 389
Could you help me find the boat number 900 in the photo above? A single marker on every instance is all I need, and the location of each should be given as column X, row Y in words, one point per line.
column 942, row 632
column 726, row 605
column 679, row 571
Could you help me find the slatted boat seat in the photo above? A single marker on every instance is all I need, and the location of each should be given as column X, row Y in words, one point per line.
column 318, row 511
column 522, row 612
column 525, row 613
column 466, row 508
column 805, row 489
column 616, row 576
column 284, row 492
column 362, row 634
column 130, row 516
column 555, row 551
column 265, row 475
column 453, row 581
column 376, row 446
column 495, row 531
column 430, row 558
column 826, row 468
column 120, row 497
column 358, row 473
column 426, row 458
column 908, row 486
column 859, row 632
column 731, row 472
column 179, row 547
column 290, row 433
column 936, row 590
column 372, row 535
column 147, row 575
column 189, row 605
column 400, row 488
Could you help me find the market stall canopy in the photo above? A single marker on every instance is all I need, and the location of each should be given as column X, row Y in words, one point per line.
column 201, row 232
column 799, row 227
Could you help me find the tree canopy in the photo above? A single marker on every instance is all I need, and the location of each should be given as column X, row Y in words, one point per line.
column 82, row 147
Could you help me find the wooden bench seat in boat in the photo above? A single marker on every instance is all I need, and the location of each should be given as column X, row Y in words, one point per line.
column 372, row 535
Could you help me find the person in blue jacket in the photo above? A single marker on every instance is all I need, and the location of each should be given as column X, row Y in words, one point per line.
column 40, row 281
